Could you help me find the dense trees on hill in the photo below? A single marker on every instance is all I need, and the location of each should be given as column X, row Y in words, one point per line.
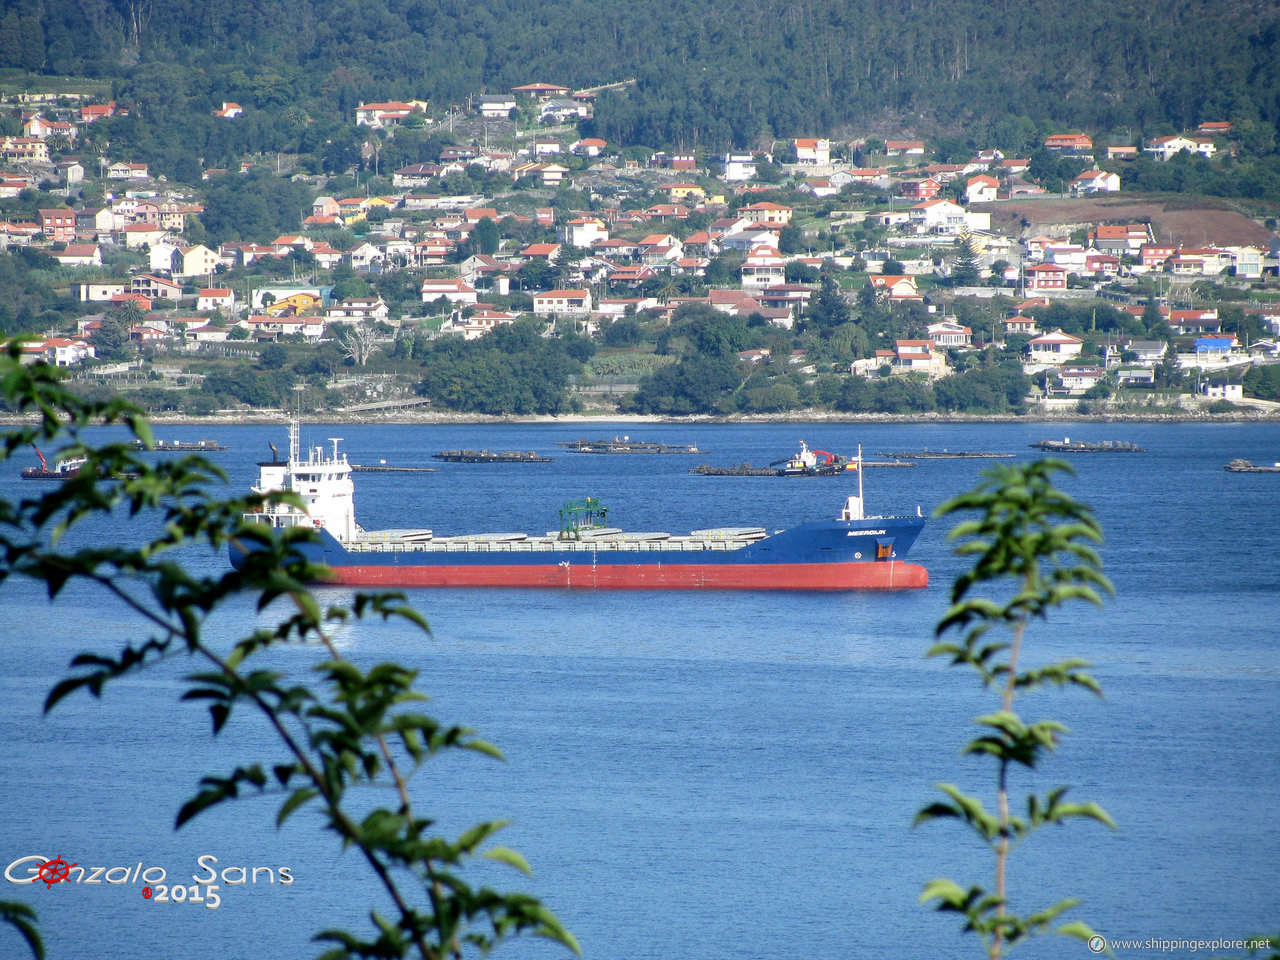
column 709, row 75
column 513, row 370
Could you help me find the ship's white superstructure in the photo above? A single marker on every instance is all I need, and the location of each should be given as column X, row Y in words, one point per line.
column 323, row 483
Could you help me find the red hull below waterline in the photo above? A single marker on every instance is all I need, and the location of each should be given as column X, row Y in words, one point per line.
column 881, row 575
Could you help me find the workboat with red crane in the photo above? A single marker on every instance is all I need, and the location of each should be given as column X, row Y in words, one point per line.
column 62, row 468
column 806, row 463
column 850, row 552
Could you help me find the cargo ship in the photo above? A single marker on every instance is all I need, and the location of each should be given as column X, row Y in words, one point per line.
column 849, row 552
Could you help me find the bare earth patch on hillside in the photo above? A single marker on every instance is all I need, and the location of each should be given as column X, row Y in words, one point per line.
column 1190, row 223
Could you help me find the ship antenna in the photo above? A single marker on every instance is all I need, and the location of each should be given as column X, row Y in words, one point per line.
column 860, row 500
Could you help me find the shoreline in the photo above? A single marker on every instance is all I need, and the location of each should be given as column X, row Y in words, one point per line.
column 404, row 418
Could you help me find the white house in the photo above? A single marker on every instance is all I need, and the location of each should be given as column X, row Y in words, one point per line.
column 1222, row 389
column 938, row 216
column 1095, row 181
column 79, row 255
column 215, row 298
column 739, row 166
column 1054, row 348
column 193, row 261
column 358, row 310
column 61, row 352
column 1079, row 379
column 948, row 333
column 981, row 189
column 1041, row 277
column 496, row 105
column 453, row 290
column 763, row 267
column 1165, row 148
column 562, row 303
column 810, row 151
column 582, row 232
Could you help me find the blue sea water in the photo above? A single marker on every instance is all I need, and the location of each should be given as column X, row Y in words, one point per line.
column 707, row 775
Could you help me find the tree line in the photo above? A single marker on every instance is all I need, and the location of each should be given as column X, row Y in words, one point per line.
column 709, row 75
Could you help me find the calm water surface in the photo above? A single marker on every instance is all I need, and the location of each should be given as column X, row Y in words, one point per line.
column 708, row 775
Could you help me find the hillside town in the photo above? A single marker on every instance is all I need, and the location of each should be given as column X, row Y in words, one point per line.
column 521, row 218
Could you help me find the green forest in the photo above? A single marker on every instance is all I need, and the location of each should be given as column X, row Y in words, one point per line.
column 709, row 75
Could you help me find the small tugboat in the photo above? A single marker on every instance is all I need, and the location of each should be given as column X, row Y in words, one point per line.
column 626, row 445
column 803, row 464
column 806, row 464
column 1247, row 466
column 489, row 456
column 61, row 470
column 1067, row 445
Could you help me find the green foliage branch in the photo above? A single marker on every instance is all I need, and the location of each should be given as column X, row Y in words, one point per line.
column 348, row 728
column 1035, row 546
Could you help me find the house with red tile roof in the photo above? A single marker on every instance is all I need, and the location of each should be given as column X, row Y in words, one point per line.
column 58, row 224
column 387, row 114
column 31, row 149
column 1020, row 324
column 215, row 298
column 926, row 189
column 766, row 212
column 1069, row 142
column 97, row 111
column 1054, row 348
column 562, row 303
column 540, row 91
column 763, row 267
column 1045, row 277
column 812, row 151
column 894, row 286
column 904, row 148
column 453, row 290
column 981, row 189
column 1122, row 238
column 79, row 255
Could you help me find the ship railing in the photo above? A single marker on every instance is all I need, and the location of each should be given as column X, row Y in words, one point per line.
column 442, row 545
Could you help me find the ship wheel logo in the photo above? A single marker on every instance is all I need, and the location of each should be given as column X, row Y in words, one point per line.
column 54, row 871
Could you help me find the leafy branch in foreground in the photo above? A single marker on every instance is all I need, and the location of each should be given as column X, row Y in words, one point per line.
column 347, row 727
column 1035, row 546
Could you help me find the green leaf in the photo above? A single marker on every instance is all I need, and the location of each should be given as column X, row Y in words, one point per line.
column 1079, row 931
column 510, row 858
column 21, row 917
column 296, row 800
column 947, row 892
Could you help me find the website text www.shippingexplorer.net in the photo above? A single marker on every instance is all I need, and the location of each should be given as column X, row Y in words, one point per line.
column 1099, row 944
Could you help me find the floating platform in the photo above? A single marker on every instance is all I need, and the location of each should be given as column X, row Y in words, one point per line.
column 1248, row 466
column 1067, row 445
column 747, row 470
column 181, row 446
column 490, row 456
column 626, row 445
column 384, row 468
column 927, row 454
